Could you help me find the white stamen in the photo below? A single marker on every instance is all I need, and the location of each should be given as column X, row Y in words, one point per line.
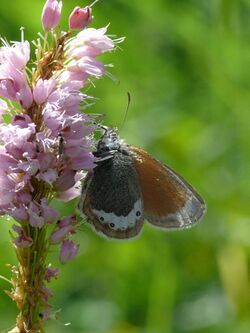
column 93, row 3
column 22, row 34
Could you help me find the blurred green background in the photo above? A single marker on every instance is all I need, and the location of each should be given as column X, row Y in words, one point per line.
column 186, row 64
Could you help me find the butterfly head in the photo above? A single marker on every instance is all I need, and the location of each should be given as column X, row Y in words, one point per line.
column 109, row 142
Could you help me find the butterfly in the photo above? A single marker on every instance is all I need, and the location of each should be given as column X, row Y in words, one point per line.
column 128, row 186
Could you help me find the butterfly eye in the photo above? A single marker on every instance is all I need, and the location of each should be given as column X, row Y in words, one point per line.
column 138, row 213
column 102, row 218
column 112, row 225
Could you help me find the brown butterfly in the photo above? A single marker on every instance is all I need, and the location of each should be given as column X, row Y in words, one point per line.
column 128, row 185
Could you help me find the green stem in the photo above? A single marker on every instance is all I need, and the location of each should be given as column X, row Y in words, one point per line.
column 29, row 281
column 5, row 279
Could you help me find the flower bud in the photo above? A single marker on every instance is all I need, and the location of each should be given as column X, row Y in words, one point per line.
column 51, row 14
column 59, row 234
column 80, row 18
column 50, row 273
column 68, row 251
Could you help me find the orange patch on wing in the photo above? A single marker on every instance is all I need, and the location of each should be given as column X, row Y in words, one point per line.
column 162, row 194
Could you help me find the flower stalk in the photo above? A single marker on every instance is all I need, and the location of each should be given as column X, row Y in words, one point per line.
column 45, row 149
column 27, row 281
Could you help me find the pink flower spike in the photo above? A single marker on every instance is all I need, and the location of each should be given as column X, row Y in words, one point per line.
column 68, row 251
column 80, row 18
column 51, row 14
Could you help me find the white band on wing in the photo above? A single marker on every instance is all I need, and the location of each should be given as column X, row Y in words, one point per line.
column 121, row 222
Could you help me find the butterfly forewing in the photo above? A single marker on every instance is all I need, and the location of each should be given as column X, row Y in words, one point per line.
column 111, row 198
column 169, row 201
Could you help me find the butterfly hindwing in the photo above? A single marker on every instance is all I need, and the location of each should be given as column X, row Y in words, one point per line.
column 169, row 201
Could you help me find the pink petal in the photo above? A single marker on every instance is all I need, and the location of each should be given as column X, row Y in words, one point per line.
column 68, row 251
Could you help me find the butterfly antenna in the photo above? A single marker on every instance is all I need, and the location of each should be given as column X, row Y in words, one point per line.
column 126, row 112
column 103, row 127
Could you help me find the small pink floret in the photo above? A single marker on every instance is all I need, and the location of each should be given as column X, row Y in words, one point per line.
column 68, row 251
